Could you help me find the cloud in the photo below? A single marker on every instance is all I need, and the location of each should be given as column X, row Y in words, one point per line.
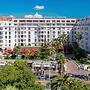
column 34, row 16
column 39, row 7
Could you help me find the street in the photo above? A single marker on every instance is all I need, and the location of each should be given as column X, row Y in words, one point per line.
column 71, row 67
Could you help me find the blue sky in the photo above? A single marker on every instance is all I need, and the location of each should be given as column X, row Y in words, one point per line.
column 68, row 8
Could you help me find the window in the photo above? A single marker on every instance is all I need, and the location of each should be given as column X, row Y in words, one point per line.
column 42, row 32
column 18, row 40
column 53, row 20
column 54, row 32
column 29, row 40
column 21, row 32
column 63, row 20
column 68, row 32
column 29, row 36
column 35, row 20
column 42, row 20
column 48, row 32
column 1, row 33
column 18, row 32
column 15, row 36
column 9, row 23
column 21, row 40
column 9, row 41
column 5, row 32
column 58, row 24
column 53, row 24
column 72, row 20
column 48, row 20
column 48, row 40
column 86, row 38
column 1, row 28
column 29, row 28
column 58, row 20
column 87, row 47
column 86, row 43
column 53, row 28
column 15, row 20
column 5, row 28
column 58, row 32
column 5, row 36
column 21, row 20
column 86, row 33
column 29, row 20
column 24, row 31
column 35, row 32
column 21, row 36
column 22, row 44
column 9, row 28
column 53, row 36
column 48, row 36
column 9, row 32
column 9, row 37
column 35, row 40
column 29, row 32
column 68, row 21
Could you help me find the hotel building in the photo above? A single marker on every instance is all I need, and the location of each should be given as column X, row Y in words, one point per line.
column 33, row 31
column 83, row 29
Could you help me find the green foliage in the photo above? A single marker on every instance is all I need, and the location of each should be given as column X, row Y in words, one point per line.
column 7, row 57
column 67, row 83
column 10, row 88
column 18, row 75
column 78, row 52
column 31, row 57
column 78, row 37
column 17, row 49
column 83, row 61
column 60, row 57
column 43, row 53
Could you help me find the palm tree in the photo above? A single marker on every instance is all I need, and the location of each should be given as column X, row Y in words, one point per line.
column 61, row 59
column 55, row 43
column 57, row 83
column 59, row 42
column 78, row 37
column 68, row 83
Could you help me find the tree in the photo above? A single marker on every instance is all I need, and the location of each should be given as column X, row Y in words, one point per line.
column 78, row 37
column 20, row 76
column 57, row 44
column 78, row 52
column 10, row 88
column 61, row 61
column 68, row 83
column 42, row 53
column 17, row 49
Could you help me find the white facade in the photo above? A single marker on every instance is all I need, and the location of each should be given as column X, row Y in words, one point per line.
column 34, row 31
column 83, row 29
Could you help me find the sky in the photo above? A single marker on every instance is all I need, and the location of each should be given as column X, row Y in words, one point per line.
column 51, row 8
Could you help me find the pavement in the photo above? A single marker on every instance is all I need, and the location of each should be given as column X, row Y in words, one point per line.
column 71, row 67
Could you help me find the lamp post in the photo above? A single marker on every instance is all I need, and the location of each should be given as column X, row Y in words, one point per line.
column 42, row 68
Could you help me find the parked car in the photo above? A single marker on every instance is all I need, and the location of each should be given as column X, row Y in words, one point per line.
column 88, row 76
column 80, row 66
